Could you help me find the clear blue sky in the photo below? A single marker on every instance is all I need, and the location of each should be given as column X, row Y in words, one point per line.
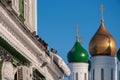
column 57, row 20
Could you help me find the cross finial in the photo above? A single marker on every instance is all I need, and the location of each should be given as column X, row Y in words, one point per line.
column 80, row 40
column 102, row 12
column 77, row 36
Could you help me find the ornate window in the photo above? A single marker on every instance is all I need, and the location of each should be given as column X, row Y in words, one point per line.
column 85, row 75
column 37, row 75
column 73, row 76
column 119, row 75
column 76, row 76
column 20, row 73
column 102, row 74
column 21, row 9
column 15, row 77
column 111, row 74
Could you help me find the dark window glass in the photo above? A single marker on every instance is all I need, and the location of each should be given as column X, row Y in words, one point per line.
column 85, row 76
column 76, row 76
column 111, row 74
column 119, row 75
column 102, row 74
column 93, row 74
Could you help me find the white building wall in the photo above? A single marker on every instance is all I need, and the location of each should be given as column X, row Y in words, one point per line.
column 8, row 71
column 15, row 6
column 26, row 73
column 79, row 71
column 30, row 14
column 103, row 66
column 118, row 71
column 89, row 76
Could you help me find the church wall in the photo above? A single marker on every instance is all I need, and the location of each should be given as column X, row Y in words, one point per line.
column 103, row 68
column 79, row 71
column 118, row 70
column 15, row 6
column 30, row 14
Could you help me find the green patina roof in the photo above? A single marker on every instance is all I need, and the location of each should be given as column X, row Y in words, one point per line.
column 1, row 63
column 77, row 54
column 39, row 74
column 118, row 54
column 12, row 51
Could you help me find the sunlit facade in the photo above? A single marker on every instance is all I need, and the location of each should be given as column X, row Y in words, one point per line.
column 23, row 54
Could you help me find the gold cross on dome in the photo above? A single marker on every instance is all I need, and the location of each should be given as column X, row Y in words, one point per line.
column 80, row 40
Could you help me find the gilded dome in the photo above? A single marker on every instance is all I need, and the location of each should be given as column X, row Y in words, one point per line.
column 102, row 43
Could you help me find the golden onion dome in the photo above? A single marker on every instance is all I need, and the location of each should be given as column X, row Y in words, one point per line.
column 102, row 43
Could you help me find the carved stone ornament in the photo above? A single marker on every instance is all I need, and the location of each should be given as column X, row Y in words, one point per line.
column 7, row 71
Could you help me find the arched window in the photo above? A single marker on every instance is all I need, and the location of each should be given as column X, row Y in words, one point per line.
column 111, row 74
column 76, row 76
column 21, row 10
column 73, row 76
column 15, row 76
column 85, row 76
column 93, row 74
column 102, row 74
column 119, row 75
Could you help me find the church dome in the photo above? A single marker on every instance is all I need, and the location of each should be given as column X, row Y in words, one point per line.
column 102, row 43
column 77, row 54
column 118, row 54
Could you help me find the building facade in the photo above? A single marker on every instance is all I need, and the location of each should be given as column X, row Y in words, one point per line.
column 23, row 54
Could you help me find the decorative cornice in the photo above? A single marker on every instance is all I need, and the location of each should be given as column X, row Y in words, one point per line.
column 18, row 38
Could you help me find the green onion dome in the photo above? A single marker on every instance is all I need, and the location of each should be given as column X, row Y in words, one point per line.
column 118, row 54
column 77, row 54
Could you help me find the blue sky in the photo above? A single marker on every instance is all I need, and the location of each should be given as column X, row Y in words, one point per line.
column 57, row 20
